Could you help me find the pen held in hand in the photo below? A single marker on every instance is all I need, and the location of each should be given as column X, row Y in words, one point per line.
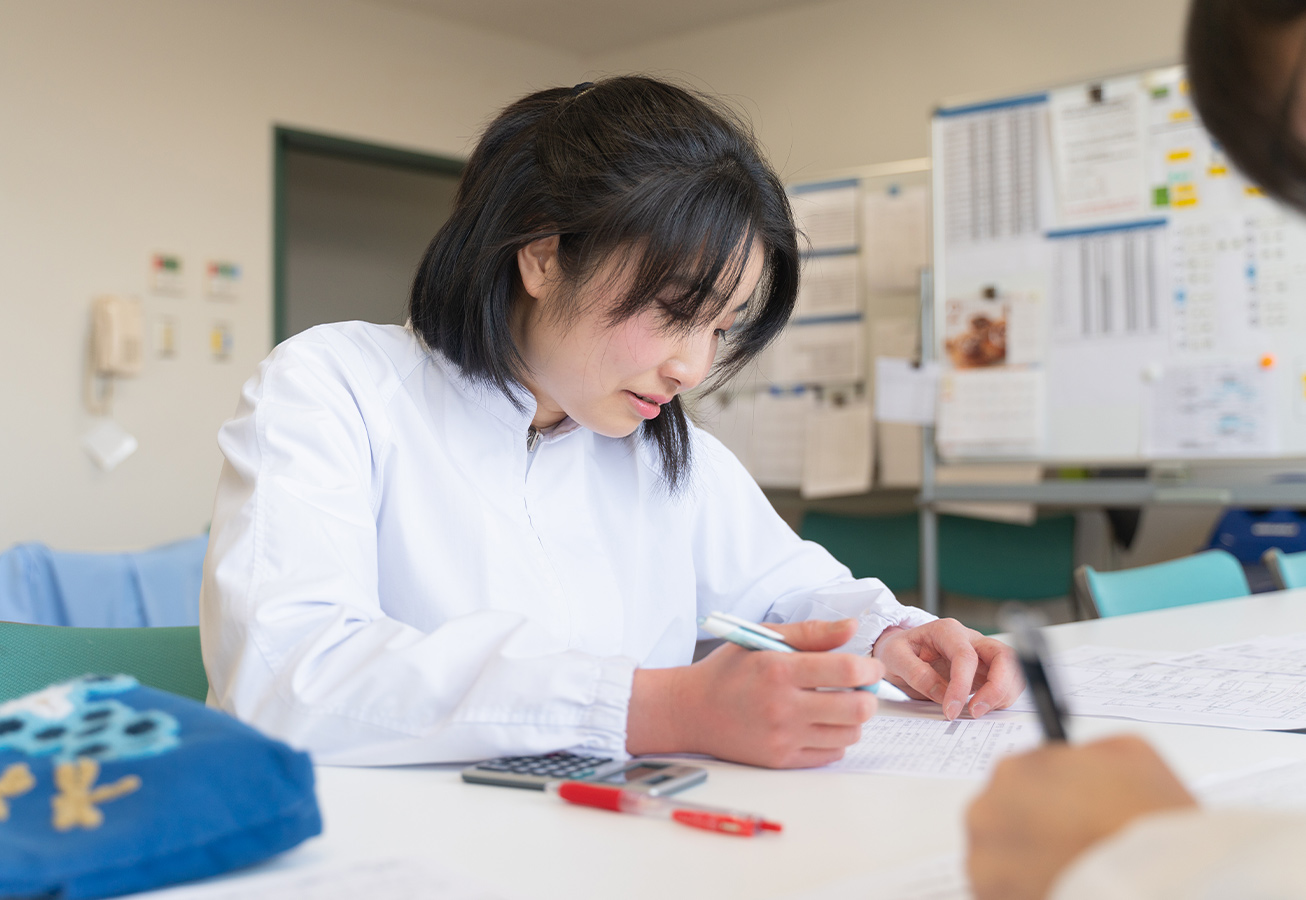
column 1032, row 652
column 752, row 636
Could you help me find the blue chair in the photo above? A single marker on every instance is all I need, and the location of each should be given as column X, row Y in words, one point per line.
column 155, row 587
column 1200, row 578
column 1287, row 569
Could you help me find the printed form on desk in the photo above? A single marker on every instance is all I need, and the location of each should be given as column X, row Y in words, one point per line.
column 963, row 748
column 1259, row 684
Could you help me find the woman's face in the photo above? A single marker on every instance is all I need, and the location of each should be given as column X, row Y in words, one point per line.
column 609, row 378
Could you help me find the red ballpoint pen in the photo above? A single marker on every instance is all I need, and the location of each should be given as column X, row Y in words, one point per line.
column 711, row 818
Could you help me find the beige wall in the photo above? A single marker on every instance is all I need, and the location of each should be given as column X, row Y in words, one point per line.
column 844, row 84
column 133, row 126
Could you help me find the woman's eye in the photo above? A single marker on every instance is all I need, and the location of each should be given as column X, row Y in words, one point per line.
column 721, row 334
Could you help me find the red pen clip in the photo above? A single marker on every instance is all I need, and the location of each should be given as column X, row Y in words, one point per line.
column 709, row 818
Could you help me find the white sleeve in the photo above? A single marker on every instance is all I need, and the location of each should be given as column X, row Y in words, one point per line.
column 750, row 562
column 294, row 636
column 1194, row 855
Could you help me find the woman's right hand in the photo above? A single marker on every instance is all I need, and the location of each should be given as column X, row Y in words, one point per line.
column 759, row 707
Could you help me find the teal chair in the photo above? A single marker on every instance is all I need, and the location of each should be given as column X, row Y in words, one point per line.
column 1200, row 578
column 1287, row 569
column 34, row 656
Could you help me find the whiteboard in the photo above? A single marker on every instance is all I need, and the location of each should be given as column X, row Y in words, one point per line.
column 1107, row 287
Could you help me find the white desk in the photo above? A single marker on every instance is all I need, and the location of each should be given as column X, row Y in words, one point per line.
column 836, row 825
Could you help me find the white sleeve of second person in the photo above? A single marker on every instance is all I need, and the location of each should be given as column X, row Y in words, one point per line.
column 752, row 564
column 294, row 636
column 1194, row 855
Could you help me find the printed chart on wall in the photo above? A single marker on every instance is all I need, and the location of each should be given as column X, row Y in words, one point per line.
column 1108, row 287
column 802, row 416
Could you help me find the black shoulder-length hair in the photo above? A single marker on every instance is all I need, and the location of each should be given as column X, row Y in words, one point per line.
column 1243, row 98
column 628, row 165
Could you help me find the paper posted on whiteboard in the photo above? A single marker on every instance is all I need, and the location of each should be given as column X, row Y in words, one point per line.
column 838, row 460
column 1211, row 410
column 905, row 392
column 997, row 411
column 817, row 353
column 1098, row 147
column 779, row 437
column 826, row 214
column 895, row 237
column 828, row 286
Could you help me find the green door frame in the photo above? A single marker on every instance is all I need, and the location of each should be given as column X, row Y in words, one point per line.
column 286, row 139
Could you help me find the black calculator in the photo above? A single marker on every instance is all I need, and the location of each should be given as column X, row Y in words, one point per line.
column 534, row 772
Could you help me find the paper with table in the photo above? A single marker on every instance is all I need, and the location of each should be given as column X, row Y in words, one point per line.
column 963, row 748
column 1258, row 684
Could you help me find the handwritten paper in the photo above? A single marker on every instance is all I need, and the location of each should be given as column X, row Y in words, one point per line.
column 963, row 748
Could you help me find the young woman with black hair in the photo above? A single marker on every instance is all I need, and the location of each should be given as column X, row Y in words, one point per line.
column 492, row 532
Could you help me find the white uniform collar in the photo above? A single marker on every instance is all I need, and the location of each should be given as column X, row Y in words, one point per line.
column 488, row 396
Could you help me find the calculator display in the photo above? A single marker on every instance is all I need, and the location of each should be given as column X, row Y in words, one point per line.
column 634, row 773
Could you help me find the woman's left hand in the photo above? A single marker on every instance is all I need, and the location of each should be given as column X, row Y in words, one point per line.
column 946, row 662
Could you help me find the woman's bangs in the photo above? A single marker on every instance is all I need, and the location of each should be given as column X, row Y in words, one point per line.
column 689, row 269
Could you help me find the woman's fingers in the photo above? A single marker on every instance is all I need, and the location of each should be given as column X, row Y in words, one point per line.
column 1002, row 681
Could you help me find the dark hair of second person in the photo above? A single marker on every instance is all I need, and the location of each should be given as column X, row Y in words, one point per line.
column 630, row 166
column 1246, row 63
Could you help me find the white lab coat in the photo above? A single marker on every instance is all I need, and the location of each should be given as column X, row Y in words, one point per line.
column 393, row 578
column 1194, row 855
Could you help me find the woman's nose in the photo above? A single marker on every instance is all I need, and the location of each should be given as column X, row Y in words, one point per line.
column 692, row 361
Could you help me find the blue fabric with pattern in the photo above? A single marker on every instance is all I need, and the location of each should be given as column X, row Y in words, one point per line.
column 108, row 787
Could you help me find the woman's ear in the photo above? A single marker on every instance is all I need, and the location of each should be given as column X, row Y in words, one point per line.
column 537, row 262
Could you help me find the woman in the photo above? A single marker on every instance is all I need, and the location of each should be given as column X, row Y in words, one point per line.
column 493, row 532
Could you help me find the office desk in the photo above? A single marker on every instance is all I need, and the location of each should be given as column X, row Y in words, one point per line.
column 836, row 825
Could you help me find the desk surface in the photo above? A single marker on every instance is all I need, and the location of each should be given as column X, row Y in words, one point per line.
column 837, row 826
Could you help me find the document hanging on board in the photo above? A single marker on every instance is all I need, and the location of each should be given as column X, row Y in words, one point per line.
column 1098, row 141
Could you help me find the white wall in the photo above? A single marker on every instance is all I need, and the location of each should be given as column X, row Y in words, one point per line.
column 844, row 84
column 143, row 125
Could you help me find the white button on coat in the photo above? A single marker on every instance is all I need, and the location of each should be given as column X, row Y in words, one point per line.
column 393, row 578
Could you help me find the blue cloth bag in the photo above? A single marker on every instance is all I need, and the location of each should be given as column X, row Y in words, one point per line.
column 108, row 787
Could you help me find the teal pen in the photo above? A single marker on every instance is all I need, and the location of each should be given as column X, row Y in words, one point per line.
column 752, row 636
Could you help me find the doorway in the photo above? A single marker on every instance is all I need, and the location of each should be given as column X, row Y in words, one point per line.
column 351, row 223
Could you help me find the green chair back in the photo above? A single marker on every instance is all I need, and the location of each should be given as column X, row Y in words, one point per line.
column 980, row 558
column 34, row 656
column 883, row 547
column 1005, row 561
column 1287, row 569
column 1200, row 578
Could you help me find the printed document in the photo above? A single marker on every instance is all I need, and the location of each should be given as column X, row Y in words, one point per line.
column 963, row 748
column 1258, row 684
